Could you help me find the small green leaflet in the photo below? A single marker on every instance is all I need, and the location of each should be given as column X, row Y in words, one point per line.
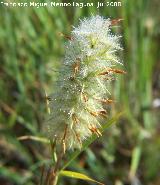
column 77, row 175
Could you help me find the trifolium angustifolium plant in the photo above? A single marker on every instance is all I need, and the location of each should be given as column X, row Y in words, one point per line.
column 77, row 105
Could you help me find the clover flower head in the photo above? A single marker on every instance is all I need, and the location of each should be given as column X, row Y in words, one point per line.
column 78, row 103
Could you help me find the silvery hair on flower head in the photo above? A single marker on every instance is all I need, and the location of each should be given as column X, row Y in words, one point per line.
column 77, row 104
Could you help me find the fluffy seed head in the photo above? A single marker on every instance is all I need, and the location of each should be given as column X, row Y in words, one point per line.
column 77, row 105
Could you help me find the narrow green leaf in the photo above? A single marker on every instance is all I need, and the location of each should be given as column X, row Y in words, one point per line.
column 92, row 139
column 136, row 154
column 77, row 175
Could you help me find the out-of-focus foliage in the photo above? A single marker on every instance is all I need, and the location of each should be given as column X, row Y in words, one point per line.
column 31, row 51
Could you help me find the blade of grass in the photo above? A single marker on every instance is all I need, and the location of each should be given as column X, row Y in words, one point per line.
column 136, row 155
column 77, row 175
column 35, row 138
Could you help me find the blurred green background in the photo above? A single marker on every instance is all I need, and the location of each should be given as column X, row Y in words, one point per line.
column 31, row 49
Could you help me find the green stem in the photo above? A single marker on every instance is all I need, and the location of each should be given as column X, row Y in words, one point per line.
column 55, row 180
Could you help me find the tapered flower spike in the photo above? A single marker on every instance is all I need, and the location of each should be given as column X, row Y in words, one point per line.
column 77, row 105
